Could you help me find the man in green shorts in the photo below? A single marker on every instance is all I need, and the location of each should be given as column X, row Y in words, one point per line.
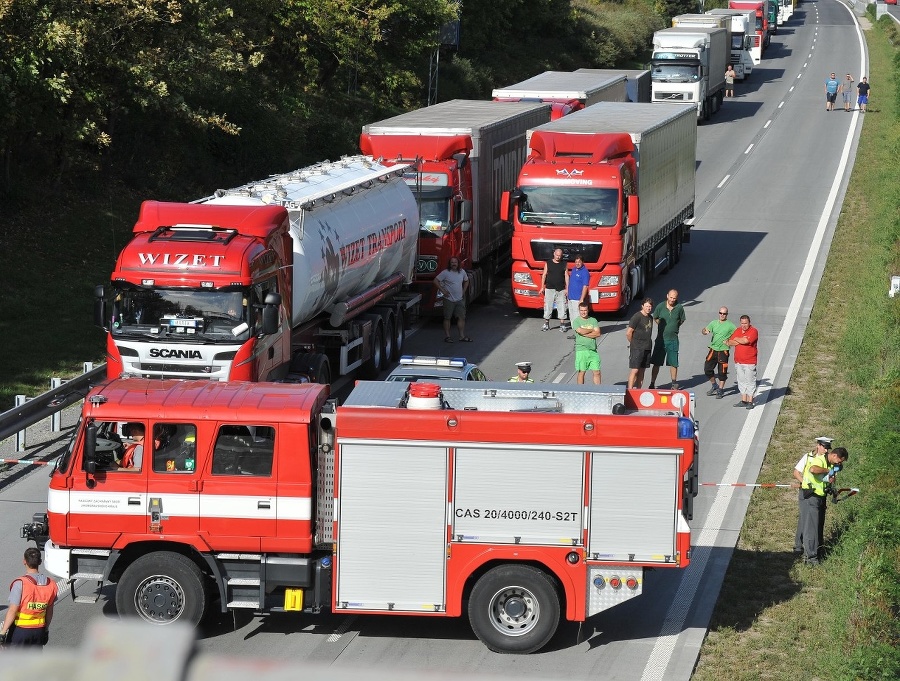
column 587, row 331
column 669, row 316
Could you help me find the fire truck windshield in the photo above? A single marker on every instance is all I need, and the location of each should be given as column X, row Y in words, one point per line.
column 214, row 316
column 569, row 206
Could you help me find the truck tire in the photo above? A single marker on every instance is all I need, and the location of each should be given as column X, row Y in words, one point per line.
column 373, row 366
column 161, row 588
column 514, row 609
column 321, row 369
column 399, row 336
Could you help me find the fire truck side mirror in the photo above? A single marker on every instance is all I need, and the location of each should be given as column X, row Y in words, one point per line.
column 90, row 450
column 100, row 306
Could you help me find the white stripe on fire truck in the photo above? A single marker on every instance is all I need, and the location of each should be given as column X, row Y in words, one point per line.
column 95, row 502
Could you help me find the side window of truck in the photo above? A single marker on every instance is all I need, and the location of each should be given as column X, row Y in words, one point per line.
column 260, row 289
column 244, row 450
column 174, row 447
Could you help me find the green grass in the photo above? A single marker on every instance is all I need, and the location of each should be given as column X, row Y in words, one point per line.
column 55, row 250
column 776, row 618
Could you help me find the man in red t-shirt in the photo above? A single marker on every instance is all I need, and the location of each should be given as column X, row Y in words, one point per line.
column 744, row 340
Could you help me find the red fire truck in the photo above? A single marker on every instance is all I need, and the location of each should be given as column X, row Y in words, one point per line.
column 517, row 505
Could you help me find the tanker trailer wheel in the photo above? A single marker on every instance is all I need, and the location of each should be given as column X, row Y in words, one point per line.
column 161, row 588
column 514, row 609
column 399, row 329
column 321, row 369
column 373, row 366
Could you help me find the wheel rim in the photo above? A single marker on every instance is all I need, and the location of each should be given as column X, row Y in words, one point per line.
column 389, row 341
column 514, row 611
column 159, row 599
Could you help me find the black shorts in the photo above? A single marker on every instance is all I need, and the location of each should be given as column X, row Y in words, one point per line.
column 639, row 357
column 830, row 97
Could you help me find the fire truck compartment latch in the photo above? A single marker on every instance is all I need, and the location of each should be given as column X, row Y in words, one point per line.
column 155, row 509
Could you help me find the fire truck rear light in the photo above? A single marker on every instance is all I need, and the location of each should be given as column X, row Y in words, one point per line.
column 148, row 282
column 685, row 429
column 615, row 582
column 631, row 583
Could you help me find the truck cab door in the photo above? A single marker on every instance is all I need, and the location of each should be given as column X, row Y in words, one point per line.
column 173, row 507
column 238, row 503
column 107, row 507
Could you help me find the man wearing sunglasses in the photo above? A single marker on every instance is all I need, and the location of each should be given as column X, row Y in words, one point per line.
column 716, row 364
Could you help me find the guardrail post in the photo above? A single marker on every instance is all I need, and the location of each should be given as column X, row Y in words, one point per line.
column 56, row 417
column 20, row 435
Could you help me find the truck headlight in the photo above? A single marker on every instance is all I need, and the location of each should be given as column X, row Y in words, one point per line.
column 523, row 278
column 609, row 280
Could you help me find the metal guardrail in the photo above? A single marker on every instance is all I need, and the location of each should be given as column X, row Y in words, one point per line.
column 49, row 403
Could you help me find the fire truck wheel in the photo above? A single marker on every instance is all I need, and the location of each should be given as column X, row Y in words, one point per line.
column 162, row 588
column 514, row 609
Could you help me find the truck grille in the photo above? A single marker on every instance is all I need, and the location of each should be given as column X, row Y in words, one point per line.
column 543, row 250
column 175, row 368
column 670, row 96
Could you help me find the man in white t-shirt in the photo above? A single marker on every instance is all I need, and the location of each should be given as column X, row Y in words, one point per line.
column 453, row 284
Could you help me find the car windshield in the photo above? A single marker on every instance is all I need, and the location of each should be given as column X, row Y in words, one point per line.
column 183, row 313
column 569, row 206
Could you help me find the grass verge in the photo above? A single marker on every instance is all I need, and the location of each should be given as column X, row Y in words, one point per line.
column 776, row 618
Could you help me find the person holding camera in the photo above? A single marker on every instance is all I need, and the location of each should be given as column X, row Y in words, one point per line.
column 31, row 599
column 815, row 473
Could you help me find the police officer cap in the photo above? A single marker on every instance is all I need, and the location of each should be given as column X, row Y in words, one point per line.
column 524, row 366
column 825, row 441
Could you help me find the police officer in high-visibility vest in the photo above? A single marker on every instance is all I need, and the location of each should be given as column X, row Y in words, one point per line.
column 31, row 599
column 523, row 373
column 815, row 472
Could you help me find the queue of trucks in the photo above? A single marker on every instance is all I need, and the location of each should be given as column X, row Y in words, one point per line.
column 260, row 492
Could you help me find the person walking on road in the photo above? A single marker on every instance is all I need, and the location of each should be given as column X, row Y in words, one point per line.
column 587, row 331
column 523, row 373
column 31, row 599
column 669, row 316
column 729, row 81
column 553, row 287
column 578, row 280
column 640, row 340
column 815, row 473
column 744, row 341
column 863, row 89
column 453, row 284
column 847, row 92
column 832, row 88
column 719, row 330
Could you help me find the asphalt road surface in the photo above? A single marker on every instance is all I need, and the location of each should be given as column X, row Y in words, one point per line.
column 772, row 167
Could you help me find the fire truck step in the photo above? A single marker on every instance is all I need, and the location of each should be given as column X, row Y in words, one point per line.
column 87, row 575
column 87, row 598
column 242, row 581
column 243, row 604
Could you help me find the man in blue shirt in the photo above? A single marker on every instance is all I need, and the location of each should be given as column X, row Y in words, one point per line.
column 832, row 88
column 577, row 281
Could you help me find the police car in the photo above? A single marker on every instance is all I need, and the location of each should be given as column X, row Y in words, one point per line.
column 425, row 368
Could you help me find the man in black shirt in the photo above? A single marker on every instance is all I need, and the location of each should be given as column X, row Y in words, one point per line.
column 640, row 338
column 553, row 287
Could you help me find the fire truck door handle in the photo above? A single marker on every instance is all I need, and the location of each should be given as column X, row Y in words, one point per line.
column 134, row 501
column 263, row 504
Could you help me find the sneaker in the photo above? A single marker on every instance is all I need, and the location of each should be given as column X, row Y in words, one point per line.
column 546, row 326
column 798, row 552
column 812, row 561
column 565, row 329
column 740, row 404
column 750, row 405
column 652, row 387
column 712, row 391
column 675, row 386
column 720, row 394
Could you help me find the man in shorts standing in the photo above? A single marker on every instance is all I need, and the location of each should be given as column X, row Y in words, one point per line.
column 587, row 331
column 744, row 341
column 720, row 331
column 863, row 89
column 669, row 316
column 847, row 92
column 453, row 284
column 640, row 338
column 832, row 87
